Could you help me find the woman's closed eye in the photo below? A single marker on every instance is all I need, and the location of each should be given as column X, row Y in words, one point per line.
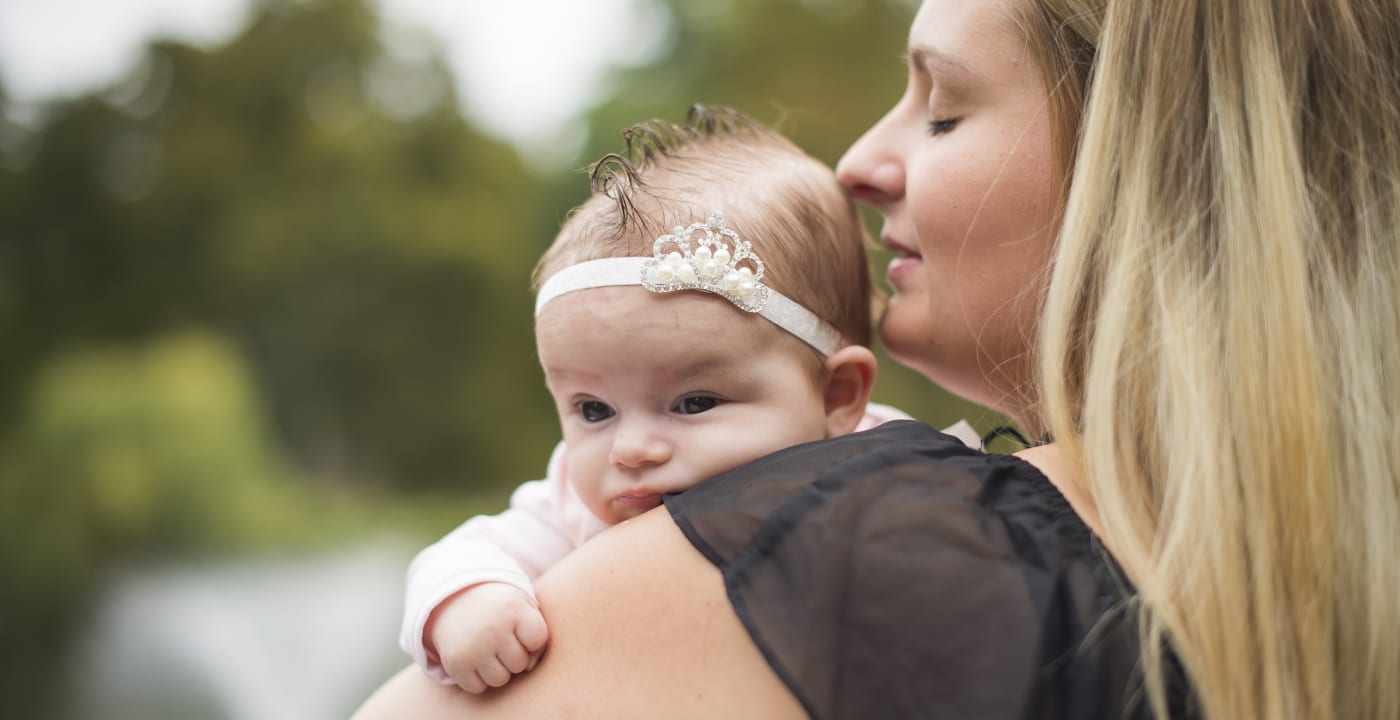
column 940, row 127
column 696, row 404
column 593, row 411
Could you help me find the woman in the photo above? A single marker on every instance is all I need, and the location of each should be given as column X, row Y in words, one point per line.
column 1217, row 352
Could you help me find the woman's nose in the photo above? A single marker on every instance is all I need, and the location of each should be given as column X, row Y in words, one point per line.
column 872, row 169
column 637, row 446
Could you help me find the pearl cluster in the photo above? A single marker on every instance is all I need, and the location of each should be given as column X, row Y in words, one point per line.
column 711, row 267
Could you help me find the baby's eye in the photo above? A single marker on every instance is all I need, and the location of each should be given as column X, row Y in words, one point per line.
column 593, row 411
column 696, row 404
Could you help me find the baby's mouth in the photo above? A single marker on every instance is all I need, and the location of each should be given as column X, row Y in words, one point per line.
column 641, row 499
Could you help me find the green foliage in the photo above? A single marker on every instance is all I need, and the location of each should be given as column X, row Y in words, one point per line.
column 361, row 277
column 144, row 448
column 123, row 452
column 374, row 268
column 819, row 70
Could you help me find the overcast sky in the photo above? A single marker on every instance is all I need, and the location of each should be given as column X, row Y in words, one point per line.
column 506, row 53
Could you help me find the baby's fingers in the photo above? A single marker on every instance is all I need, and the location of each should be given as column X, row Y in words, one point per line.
column 492, row 672
column 513, row 656
column 531, row 630
column 471, row 682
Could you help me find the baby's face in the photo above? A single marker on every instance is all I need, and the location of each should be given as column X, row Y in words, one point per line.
column 658, row 392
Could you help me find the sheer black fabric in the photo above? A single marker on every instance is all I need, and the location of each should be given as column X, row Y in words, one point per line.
column 896, row 573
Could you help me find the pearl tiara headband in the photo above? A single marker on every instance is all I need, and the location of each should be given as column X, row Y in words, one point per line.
column 713, row 267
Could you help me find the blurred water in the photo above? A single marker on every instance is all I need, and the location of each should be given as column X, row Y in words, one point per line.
column 296, row 638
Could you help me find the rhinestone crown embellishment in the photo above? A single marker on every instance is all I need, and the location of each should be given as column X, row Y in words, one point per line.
column 713, row 265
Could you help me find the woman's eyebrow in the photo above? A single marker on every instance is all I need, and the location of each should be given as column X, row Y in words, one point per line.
column 935, row 62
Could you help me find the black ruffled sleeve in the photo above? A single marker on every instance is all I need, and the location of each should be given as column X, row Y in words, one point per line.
column 896, row 573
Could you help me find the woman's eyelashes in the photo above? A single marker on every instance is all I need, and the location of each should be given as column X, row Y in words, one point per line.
column 593, row 411
column 940, row 127
column 696, row 404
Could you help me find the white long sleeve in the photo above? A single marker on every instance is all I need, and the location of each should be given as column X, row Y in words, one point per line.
column 544, row 522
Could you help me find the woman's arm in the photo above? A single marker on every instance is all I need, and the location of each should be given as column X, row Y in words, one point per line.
column 640, row 626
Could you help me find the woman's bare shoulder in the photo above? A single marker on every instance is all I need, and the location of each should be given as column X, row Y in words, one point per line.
column 640, row 626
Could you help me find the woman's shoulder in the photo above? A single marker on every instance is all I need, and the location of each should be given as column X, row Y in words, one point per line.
column 903, row 474
column 902, row 548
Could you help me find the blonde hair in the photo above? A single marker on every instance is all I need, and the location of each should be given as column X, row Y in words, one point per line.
column 799, row 219
column 1221, row 341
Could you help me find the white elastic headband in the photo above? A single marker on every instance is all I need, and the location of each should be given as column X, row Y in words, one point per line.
column 713, row 267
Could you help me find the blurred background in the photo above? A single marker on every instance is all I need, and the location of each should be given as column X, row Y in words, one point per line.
column 265, row 317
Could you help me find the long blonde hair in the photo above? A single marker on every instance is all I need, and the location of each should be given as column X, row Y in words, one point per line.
column 1221, row 341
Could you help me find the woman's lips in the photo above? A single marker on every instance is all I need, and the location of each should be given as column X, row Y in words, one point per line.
column 900, row 267
column 906, row 260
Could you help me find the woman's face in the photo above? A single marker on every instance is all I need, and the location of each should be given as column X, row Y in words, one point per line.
column 962, row 171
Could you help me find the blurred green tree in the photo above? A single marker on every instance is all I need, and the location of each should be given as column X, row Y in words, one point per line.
column 321, row 202
column 126, row 452
column 355, row 259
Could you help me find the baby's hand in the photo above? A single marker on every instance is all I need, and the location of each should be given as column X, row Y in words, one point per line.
column 487, row 633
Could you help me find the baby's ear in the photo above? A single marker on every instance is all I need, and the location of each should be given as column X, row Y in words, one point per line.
column 850, row 375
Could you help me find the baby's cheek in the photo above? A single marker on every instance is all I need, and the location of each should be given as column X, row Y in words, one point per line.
column 584, row 475
column 595, row 503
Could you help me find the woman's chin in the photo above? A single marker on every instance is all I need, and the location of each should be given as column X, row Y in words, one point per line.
column 905, row 334
column 904, row 330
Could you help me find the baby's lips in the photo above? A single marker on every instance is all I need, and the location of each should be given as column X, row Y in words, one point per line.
column 642, row 499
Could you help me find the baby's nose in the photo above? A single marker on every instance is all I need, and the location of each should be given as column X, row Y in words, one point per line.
column 637, row 446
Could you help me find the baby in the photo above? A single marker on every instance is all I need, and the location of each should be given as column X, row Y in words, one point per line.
column 672, row 355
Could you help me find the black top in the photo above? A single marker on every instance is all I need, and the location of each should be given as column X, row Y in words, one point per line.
column 896, row 573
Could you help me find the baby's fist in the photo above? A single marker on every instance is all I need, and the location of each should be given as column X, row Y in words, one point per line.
column 487, row 633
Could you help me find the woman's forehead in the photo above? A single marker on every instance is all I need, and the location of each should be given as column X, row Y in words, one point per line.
column 960, row 38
